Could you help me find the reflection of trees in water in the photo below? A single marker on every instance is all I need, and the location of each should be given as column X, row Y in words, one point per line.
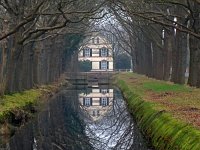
column 116, row 130
column 58, row 127
column 65, row 128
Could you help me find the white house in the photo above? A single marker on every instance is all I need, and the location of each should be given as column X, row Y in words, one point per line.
column 97, row 50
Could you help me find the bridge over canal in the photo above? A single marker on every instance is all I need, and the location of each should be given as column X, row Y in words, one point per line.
column 90, row 78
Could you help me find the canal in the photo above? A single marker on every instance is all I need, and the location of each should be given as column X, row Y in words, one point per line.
column 81, row 118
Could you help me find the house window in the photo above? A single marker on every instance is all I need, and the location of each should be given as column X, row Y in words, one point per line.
column 98, row 113
column 104, row 101
column 95, row 113
column 97, row 40
column 87, row 101
column 92, row 40
column 104, row 52
column 104, row 65
column 104, row 91
column 87, row 52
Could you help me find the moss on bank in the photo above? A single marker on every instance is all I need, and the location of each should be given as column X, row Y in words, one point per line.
column 164, row 131
column 17, row 108
column 15, row 101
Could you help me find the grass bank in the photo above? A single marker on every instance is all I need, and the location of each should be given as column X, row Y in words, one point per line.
column 160, row 109
column 17, row 108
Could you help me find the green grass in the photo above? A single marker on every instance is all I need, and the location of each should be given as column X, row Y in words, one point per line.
column 164, row 131
column 21, row 101
column 164, row 94
column 164, row 87
column 18, row 101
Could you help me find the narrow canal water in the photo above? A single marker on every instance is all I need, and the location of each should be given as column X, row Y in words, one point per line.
column 81, row 118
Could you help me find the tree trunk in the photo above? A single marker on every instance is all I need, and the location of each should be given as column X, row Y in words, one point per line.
column 168, row 41
column 179, row 53
column 194, row 71
column 182, row 61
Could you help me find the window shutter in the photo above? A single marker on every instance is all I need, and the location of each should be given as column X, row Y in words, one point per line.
column 100, row 102
column 99, row 52
column 83, row 52
column 90, row 101
column 108, row 101
column 83, row 101
column 100, row 65
column 107, row 64
column 90, row 52
column 107, row 52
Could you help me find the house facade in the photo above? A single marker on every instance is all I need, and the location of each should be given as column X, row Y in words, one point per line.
column 97, row 103
column 99, row 51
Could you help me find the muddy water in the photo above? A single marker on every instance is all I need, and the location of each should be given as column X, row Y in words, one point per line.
column 80, row 118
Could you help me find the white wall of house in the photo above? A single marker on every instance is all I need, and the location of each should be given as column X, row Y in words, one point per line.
column 95, row 65
column 111, row 65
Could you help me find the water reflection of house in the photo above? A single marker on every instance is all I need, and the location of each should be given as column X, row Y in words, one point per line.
column 97, row 103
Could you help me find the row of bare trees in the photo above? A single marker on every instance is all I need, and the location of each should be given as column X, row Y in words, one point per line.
column 162, row 37
column 39, row 37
